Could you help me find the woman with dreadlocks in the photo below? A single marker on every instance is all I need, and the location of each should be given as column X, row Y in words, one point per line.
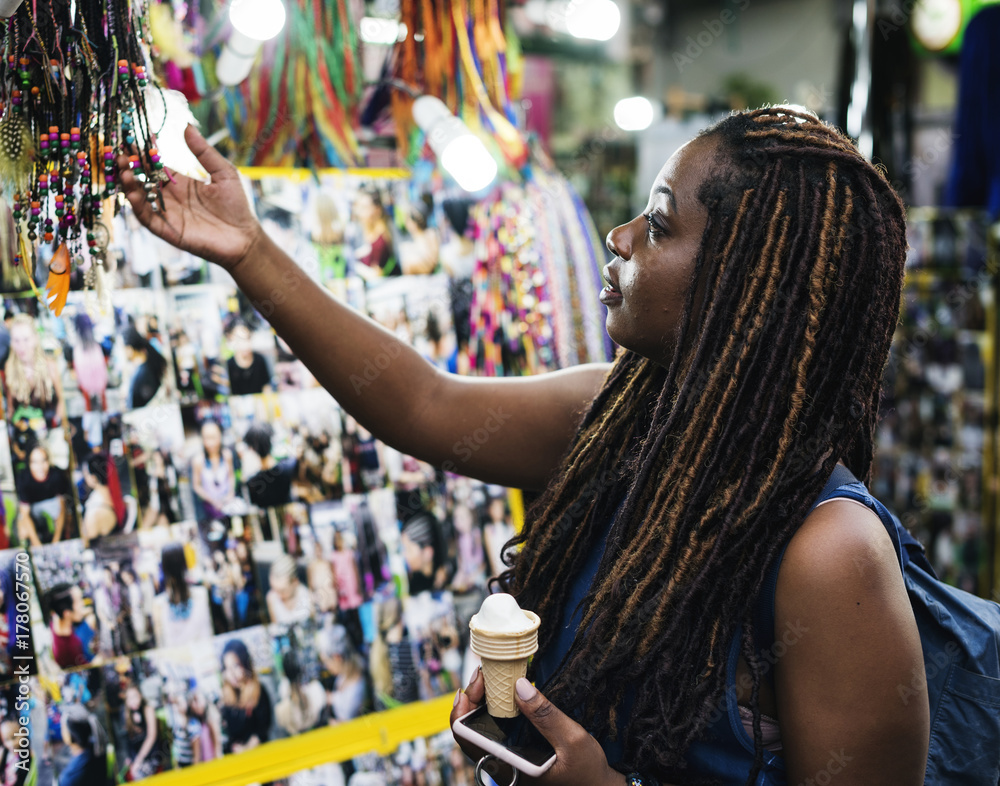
column 754, row 300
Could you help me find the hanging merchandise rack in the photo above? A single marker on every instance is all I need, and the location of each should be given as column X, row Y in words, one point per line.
column 73, row 82
column 299, row 105
column 464, row 61
column 533, row 305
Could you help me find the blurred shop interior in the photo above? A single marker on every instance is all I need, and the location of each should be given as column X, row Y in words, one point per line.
column 235, row 581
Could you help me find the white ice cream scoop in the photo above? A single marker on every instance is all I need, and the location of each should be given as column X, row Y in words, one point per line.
column 501, row 614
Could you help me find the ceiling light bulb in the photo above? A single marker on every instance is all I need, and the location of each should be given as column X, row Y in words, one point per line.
column 597, row 20
column 460, row 152
column 261, row 20
column 236, row 59
column 634, row 114
column 468, row 161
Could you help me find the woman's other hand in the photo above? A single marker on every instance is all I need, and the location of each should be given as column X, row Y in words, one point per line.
column 465, row 702
column 580, row 760
column 210, row 220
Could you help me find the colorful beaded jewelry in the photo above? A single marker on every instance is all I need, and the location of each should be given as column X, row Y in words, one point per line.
column 71, row 101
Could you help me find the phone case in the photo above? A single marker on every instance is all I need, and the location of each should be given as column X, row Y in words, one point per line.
column 498, row 750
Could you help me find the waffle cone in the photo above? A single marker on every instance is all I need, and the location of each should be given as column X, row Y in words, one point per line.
column 499, row 677
column 505, row 659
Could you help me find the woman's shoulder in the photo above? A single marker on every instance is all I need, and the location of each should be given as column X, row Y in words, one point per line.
column 840, row 573
column 840, row 540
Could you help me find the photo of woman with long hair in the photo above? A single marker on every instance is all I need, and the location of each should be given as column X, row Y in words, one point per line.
column 104, row 507
column 213, row 474
column 181, row 611
column 138, row 606
column 301, row 700
column 32, row 379
column 375, row 255
column 155, row 448
column 344, row 676
column 210, row 733
column 247, row 600
column 142, row 733
column 162, row 506
column 185, row 743
column 246, row 708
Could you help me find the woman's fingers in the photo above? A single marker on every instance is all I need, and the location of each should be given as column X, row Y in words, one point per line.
column 555, row 725
column 168, row 223
column 134, row 192
column 465, row 702
column 476, row 691
column 210, row 158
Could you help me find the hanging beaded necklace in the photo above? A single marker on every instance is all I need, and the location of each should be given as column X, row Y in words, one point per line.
column 72, row 77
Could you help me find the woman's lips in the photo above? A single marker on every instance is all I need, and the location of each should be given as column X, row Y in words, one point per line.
column 610, row 294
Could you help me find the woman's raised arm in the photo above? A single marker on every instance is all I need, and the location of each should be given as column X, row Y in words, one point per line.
column 508, row 431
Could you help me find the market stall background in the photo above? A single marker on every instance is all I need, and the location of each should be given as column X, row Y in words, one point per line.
column 277, row 575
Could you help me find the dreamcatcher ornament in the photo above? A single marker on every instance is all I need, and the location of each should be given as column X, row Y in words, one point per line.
column 72, row 75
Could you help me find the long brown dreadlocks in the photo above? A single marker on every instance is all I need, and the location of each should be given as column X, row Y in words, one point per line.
column 719, row 456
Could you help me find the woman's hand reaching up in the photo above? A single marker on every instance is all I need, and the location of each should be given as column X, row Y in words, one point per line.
column 210, row 220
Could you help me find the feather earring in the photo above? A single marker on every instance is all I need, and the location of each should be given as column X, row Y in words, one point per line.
column 17, row 152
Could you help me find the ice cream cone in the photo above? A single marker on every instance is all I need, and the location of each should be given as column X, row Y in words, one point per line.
column 505, row 657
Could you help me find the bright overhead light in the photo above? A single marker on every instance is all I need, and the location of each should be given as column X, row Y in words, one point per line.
column 460, row 152
column 468, row 161
column 634, row 114
column 236, row 59
column 260, row 20
column 597, row 20
column 379, row 30
column 254, row 21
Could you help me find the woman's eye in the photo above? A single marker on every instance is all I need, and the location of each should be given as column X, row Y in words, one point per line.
column 655, row 230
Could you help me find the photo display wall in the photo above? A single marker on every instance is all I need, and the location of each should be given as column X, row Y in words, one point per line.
column 221, row 555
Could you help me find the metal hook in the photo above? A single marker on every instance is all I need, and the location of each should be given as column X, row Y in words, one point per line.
column 479, row 770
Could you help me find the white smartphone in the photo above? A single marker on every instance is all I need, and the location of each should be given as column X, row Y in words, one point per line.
column 503, row 738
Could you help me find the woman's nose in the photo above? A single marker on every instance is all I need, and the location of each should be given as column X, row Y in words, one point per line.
column 619, row 241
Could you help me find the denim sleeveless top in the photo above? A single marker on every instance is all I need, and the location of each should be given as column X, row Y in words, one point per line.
column 724, row 751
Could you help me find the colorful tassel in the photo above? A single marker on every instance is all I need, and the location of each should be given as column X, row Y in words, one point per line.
column 57, row 287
